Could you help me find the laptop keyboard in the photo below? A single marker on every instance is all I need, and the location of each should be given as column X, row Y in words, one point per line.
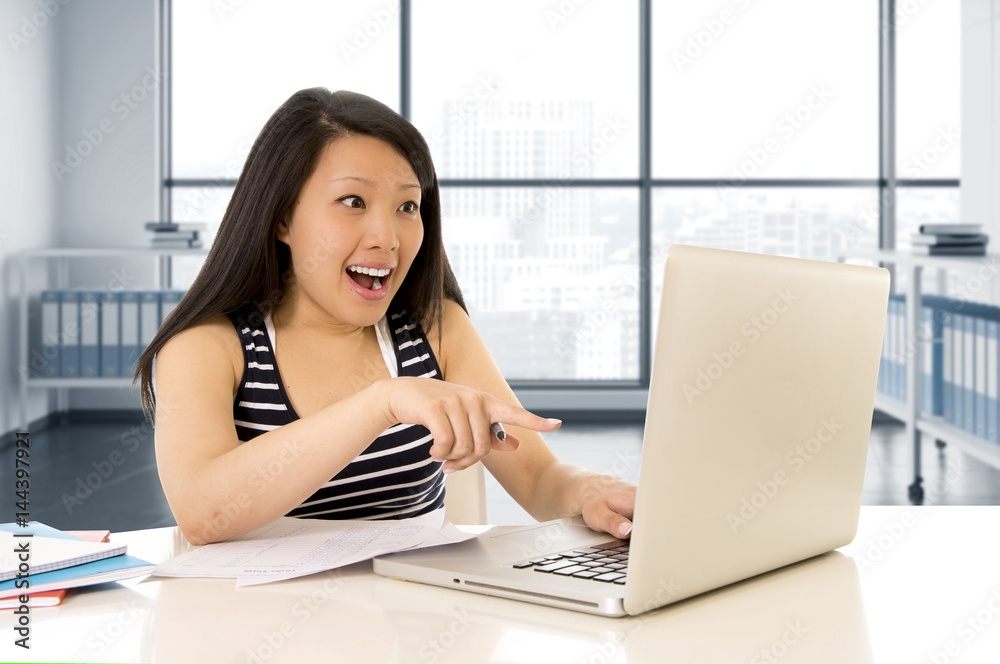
column 607, row 563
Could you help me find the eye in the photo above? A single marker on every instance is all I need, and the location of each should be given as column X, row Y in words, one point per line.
column 352, row 201
column 409, row 207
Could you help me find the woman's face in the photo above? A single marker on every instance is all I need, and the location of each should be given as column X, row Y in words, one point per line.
column 354, row 230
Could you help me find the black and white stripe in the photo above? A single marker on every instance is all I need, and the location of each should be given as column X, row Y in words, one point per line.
column 394, row 477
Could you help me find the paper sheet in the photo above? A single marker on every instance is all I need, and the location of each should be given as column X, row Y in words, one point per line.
column 291, row 547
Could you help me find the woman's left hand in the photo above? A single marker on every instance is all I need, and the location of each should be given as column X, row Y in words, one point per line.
column 607, row 504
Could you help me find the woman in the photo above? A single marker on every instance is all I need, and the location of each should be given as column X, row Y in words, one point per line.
column 329, row 262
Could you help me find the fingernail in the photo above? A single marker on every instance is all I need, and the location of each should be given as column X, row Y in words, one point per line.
column 624, row 529
column 448, row 471
column 554, row 420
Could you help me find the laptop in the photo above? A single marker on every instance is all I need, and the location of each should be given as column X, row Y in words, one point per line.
column 754, row 449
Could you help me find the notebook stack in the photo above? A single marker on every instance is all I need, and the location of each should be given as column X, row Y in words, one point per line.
column 176, row 235
column 950, row 240
column 58, row 560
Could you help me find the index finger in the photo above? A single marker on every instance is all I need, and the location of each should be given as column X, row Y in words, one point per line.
column 508, row 413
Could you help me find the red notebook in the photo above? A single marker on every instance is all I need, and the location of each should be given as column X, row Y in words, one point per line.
column 92, row 535
column 35, row 600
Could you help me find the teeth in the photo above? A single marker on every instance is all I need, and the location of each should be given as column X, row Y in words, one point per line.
column 377, row 284
column 369, row 270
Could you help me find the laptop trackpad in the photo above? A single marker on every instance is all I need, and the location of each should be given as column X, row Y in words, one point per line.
column 563, row 534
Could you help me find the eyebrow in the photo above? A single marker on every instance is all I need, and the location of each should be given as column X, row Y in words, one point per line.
column 369, row 183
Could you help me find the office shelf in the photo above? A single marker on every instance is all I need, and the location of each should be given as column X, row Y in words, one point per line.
column 890, row 406
column 61, row 257
column 117, row 381
column 983, row 450
column 909, row 412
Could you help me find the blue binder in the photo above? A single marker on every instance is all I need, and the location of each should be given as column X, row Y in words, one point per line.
column 69, row 332
column 169, row 300
column 110, row 334
column 901, row 349
column 957, row 369
column 892, row 348
column 904, row 351
column 890, row 351
column 937, row 360
column 969, row 373
column 927, row 359
column 149, row 316
column 980, row 359
column 48, row 366
column 89, row 339
column 880, row 382
column 947, row 373
column 129, row 312
column 992, row 361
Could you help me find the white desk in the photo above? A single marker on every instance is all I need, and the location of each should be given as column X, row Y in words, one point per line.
column 916, row 581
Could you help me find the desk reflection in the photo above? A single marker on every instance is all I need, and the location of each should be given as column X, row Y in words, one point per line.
column 808, row 612
column 321, row 617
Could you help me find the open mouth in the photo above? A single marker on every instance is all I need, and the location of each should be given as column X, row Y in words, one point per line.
column 369, row 278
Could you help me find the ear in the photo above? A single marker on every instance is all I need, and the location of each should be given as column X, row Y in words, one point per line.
column 282, row 231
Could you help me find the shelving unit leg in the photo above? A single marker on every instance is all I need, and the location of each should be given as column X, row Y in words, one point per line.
column 914, row 373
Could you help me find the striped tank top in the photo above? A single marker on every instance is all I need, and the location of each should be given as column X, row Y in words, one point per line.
column 394, row 477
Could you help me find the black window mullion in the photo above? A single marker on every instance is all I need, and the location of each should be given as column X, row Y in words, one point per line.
column 405, row 32
column 166, row 118
column 645, row 190
column 887, row 130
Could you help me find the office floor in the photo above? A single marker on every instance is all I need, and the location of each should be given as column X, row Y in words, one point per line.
column 102, row 475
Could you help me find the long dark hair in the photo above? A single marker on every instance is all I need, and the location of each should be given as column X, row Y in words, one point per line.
column 248, row 265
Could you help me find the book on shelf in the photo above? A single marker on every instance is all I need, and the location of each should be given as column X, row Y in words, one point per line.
column 949, row 239
column 174, row 243
column 165, row 238
column 951, row 229
column 47, row 549
column 177, row 235
column 176, row 226
column 949, row 250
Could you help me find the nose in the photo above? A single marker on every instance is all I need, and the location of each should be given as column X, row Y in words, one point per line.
column 382, row 231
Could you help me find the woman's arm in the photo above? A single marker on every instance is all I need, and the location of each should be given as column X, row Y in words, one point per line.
column 545, row 487
column 218, row 488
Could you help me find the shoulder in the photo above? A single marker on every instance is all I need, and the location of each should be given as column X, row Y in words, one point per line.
column 455, row 334
column 209, row 346
column 454, row 320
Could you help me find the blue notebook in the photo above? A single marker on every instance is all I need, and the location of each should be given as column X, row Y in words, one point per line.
column 40, row 529
column 100, row 571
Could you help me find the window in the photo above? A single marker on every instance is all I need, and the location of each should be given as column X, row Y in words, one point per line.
column 575, row 142
column 745, row 90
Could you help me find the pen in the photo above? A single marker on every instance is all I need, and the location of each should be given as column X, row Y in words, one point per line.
column 498, row 431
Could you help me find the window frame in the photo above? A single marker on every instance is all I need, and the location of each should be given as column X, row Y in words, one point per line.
column 886, row 183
